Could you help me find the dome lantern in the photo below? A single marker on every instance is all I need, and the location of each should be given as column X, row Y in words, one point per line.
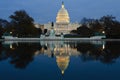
column 62, row 4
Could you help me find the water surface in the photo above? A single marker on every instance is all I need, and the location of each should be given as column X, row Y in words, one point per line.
column 59, row 60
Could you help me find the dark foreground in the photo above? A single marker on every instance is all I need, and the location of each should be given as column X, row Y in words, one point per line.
column 60, row 60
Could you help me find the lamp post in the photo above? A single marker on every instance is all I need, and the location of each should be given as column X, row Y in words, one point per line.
column 103, row 32
column 10, row 32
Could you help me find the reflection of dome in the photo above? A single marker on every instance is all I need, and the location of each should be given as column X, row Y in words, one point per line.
column 62, row 62
column 62, row 16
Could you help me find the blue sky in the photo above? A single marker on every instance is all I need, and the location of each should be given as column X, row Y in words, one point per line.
column 44, row 11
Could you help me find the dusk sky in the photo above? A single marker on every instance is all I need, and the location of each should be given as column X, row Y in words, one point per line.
column 44, row 11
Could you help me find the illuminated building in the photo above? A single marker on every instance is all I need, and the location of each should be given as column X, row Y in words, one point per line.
column 62, row 24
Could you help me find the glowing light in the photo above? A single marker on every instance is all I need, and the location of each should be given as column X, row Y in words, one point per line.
column 62, row 72
column 10, row 32
column 103, row 32
column 11, row 46
column 103, row 46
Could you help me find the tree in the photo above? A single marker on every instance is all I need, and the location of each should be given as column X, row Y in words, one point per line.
column 3, row 25
column 73, row 32
column 87, row 20
column 96, row 26
column 84, row 31
column 23, row 24
column 1, row 31
column 111, row 25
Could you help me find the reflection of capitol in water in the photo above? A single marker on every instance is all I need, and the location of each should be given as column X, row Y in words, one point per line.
column 62, row 51
column 59, row 48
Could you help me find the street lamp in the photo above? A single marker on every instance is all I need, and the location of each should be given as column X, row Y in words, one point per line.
column 10, row 32
column 103, row 32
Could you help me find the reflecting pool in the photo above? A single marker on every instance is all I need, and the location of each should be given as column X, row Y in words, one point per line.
column 60, row 60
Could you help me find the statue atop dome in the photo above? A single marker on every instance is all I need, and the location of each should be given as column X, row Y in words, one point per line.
column 62, row 4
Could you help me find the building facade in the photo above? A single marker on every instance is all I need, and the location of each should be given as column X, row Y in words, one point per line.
column 62, row 24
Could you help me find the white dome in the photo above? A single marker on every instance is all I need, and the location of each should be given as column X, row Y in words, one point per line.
column 62, row 16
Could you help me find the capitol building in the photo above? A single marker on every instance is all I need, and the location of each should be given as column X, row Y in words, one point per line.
column 62, row 24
